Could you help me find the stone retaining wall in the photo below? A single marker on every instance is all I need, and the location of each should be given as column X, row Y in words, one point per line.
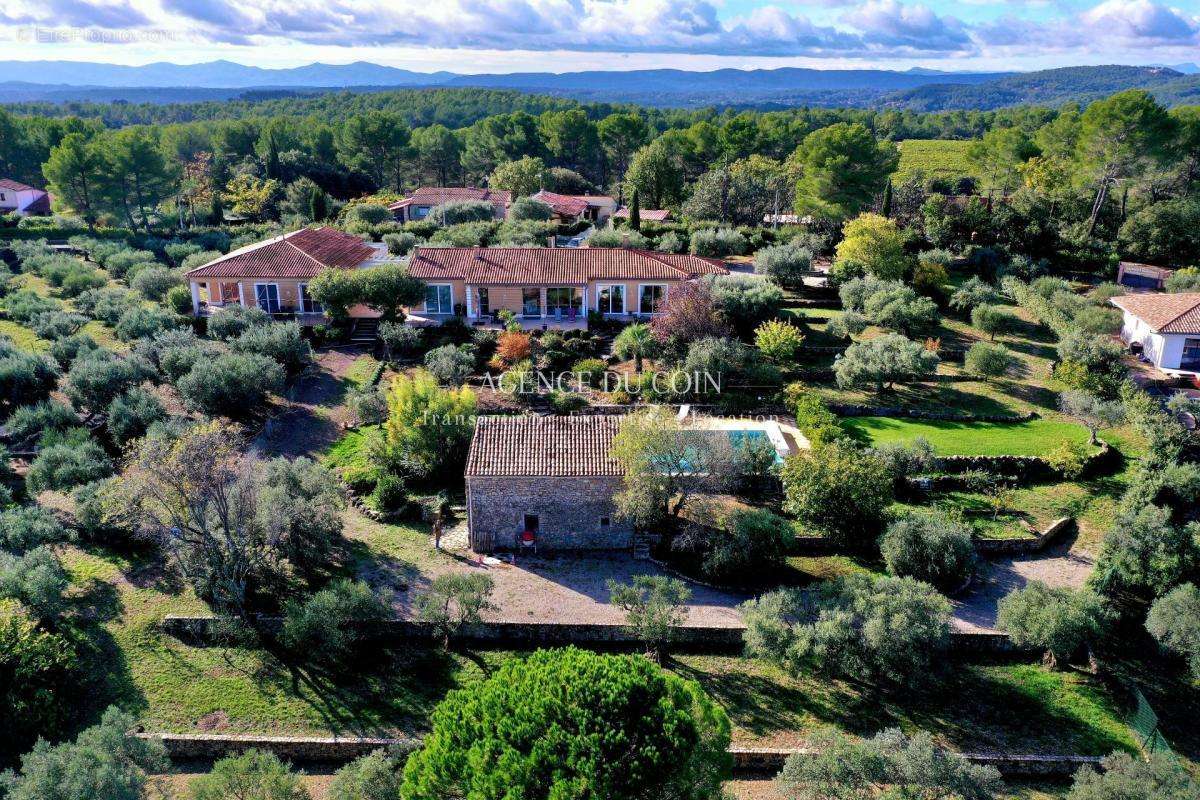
column 852, row 410
column 1027, row 468
column 1034, row 544
column 338, row 750
column 686, row 638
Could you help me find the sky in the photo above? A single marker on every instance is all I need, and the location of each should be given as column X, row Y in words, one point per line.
column 468, row 36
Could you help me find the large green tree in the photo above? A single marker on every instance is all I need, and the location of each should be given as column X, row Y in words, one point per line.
column 656, row 172
column 571, row 723
column 137, row 175
column 74, row 173
column 620, row 137
column 377, row 143
column 842, row 168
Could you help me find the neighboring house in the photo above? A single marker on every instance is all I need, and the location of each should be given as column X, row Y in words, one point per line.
column 553, row 477
column 1142, row 276
column 274, row 274
column 22, row 199
column 646, row 214
column 1165, row 326
column 579, row 207
column 560, row 284
column 418, row 204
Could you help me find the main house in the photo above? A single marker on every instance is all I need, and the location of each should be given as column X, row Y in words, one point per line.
column 418, row 204
column 1166, row 327
column 22, row 199
column 559, row 284
column 274, row 274
column 595, row 208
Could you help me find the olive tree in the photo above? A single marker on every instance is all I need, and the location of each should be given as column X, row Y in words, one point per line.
column 1094, row 412
column 934, row 548
column 1058, row 620
column 1174, row 620
column 654, row 606
column 840, row 490
column 880, row 363
column 1124, row 776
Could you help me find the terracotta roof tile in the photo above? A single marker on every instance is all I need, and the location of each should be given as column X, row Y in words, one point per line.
column 528, row 446
column 568, row 204
column 566, row 266
column 650, row 214
column 1164, row 313
column 300, row 254
column 16, row 186
column 437, row 195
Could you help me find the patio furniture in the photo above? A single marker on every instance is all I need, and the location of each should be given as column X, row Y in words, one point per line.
column 528, row 541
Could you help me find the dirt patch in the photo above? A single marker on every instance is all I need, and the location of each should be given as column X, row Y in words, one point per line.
column 312, row 421
column 213, row 722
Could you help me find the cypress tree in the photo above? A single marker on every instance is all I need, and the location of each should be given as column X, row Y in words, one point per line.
column 273, row 168
column 886, row 205
column 318, row 207
column 635, row 211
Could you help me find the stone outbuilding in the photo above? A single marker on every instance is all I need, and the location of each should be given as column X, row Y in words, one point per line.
column 547, row 480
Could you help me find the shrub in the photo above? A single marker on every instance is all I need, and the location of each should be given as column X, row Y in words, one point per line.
column 280, row 341
column 333, row 625
column 96, row 519
column 974, row 292
column 179, row 300
column 468, row 234
column 881, row 362
column 106, row 305
column 623, row 237
column 28, row 527
column 459, row 212
column 25, row 378
column 234, row 320
column 842, row 766
column 529, row 712
column 233, row 385
column 131, row 414
column 120, row 263
column 367, row 405
column 988, row 360
column 1174, row 620
column 371, row 777
column 400, row 340
column 566, row 402
column 36, row 580
column 778, row 341
column 79, row 280
column 29, row 422
column 195, row 260
column 69, row 348
column 400, row 244
column 786, row 264
column 670, row 242
column 888, row 632
column 154, row 282
column 253, row 774
column 591, row 371
column 744, row 301
column 39, row 668
column 451, row 364
column 96, row 379
column 1058, row 620
column 751, row 544
column 526, row 208
column 872, row 245
column 24, row 305
column 64, row 466
column 838, row 489
column 1124, row 776
column 389, row 493
column 933, row 548
column 1068, row 459
column 513, row 347
column 718, row 243
column 814, row 418
column 139, row 323
column 56, row 325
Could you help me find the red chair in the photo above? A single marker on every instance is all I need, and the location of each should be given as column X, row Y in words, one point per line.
column 529, row 541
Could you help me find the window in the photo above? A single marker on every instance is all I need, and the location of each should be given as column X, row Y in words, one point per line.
column 531, row 301
column 1191, row 354
column 604, row 522
column 229, row 292
column 267, row 297
column 562, row 298
column 612, row 299
column 438, row 298
column 307, row 304
column 651, row 297
column 485, row 304
column 420, row 212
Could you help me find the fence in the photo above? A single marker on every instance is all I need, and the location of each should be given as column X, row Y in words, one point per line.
column 1144, row 723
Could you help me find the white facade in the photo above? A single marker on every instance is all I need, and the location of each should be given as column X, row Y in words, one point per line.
column 18, row 200
column 1164, row 350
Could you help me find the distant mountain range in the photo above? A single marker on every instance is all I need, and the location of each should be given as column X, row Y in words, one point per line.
column 916, row 89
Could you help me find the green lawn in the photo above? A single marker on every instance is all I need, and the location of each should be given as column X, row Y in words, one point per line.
column 1034, row 438
column 936, row 158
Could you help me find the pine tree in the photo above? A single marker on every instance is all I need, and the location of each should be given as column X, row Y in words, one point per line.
column 635, row 211
column 885, row 207
column 216, row 212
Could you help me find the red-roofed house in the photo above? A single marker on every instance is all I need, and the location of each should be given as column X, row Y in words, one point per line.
column 559, row 284
column 274, row 274
column 1165, row 326
column 24, row 200
column 418, row 204
column 646, row 214
column 578, row 207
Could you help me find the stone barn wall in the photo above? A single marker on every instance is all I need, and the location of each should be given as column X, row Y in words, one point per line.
column 569, row 510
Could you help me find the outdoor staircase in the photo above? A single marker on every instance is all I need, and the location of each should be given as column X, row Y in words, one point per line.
column 364, row 331
column 641, row 546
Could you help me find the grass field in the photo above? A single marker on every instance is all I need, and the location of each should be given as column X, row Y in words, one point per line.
column 936, row 158
column 1033, row 438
